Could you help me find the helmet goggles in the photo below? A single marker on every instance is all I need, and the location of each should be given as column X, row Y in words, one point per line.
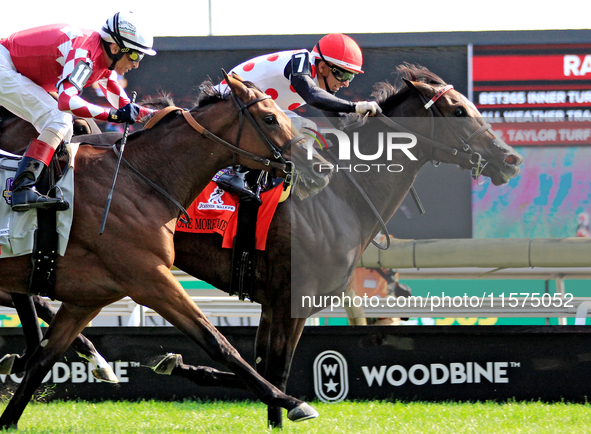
column 134, row 56
column 341, row 74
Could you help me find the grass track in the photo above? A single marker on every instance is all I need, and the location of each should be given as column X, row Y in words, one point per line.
column 148, row 417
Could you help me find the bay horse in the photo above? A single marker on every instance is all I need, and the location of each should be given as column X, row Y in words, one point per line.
column 314, row 245
column 134, row 256
column 15, row 135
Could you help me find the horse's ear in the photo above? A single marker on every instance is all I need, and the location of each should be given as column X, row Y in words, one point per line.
column 422, row 88
column 236, row 85
column 408, row 83
column 237, row 77
column 225, row 74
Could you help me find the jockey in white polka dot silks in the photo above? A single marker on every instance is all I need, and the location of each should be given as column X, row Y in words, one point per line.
column 297, row 77
column 65, row 59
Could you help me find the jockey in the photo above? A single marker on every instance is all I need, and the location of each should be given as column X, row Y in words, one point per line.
column 298, row 77
column 295, row 78
column 66, row 59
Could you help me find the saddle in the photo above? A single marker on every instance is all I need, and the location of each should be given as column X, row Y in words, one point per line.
column 247, row 185
column 45, row 250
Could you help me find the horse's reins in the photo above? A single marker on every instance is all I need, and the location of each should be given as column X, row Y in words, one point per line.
column 467, row 153
column 234, row 148
column 368, row 201
column 242, row 109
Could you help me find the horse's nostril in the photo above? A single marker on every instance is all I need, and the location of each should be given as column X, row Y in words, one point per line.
column 512, row 160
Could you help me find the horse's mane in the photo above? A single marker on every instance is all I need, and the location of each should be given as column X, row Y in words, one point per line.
column 209, row 93
column 158, row 102
column 389, row 95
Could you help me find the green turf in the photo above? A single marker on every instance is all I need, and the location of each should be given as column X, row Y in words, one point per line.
column 348, row 417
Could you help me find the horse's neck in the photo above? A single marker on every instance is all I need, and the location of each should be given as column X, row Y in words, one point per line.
column 177, row 158
column 385, row 181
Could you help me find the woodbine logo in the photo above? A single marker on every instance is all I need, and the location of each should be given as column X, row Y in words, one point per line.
column 387, row 142
column 437, row 373
column 331, row 374
column 75, row 372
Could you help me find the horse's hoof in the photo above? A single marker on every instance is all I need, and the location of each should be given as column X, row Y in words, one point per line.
column 10, row 426
column 168, row 363
column 6, row 363
column 105, row 374
column 302, row 412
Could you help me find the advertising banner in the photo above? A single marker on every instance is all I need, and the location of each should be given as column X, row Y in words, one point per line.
column 338, row 363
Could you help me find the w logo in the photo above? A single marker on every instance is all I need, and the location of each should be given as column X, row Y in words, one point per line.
column 331, row 376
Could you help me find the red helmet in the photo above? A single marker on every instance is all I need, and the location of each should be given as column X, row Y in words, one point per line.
column 339, row 50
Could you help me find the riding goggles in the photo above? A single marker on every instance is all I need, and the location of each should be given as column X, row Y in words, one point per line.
column 134, row 56
column 341, row 75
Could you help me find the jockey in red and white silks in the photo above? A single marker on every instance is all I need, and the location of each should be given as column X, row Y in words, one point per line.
column 298, row 77
column 65, row 59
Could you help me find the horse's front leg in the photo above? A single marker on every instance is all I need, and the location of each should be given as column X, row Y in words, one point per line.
column 25, row 308
column 28, row 307
column 67, row 323
column 172, row 364
column 277, row 337
column 167, row 297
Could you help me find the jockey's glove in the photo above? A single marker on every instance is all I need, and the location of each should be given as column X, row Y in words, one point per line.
column 127, row 113
column 362, row 107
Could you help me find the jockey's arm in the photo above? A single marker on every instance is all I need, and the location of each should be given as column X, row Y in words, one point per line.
column 319, row 98
column 69, row 100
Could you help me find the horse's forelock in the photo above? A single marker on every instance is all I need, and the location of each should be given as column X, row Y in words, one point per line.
column 388, row 95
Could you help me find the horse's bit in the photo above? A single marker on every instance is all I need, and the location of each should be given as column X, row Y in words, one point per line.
column 467, row 153
column 473, row 157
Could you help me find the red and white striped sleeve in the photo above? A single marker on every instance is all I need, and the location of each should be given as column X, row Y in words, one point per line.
column 69, row 98
column 114, row 93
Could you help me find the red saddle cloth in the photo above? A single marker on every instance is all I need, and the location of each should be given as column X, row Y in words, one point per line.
column 215, row 211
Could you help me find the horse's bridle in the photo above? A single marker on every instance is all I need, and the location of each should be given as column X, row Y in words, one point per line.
column 286, row 166
column 467, row 153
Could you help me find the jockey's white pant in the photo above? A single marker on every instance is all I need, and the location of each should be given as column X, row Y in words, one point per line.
column 31, row 102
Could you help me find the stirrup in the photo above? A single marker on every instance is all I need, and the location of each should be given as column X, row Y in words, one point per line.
column 30, row 198
column 235, row 183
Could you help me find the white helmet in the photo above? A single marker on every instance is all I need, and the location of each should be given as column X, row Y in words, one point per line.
column 121, row 30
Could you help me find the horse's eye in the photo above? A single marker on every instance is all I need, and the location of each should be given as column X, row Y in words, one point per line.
column 460, row 112
column 270, row 119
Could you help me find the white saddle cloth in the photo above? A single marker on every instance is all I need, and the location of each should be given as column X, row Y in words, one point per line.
column 17, row 229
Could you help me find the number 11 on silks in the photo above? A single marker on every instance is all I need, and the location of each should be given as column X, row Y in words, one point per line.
column 300, row 64
column 80, row 75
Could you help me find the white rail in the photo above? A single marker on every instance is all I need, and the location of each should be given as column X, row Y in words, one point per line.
column 545, row 259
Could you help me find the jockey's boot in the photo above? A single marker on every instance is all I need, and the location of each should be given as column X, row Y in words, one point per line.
column 235, row 182
column 24, row 194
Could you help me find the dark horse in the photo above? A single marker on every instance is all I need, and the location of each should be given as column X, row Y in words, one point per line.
column 314, row 245
column 134, row 255
column 327, row 233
